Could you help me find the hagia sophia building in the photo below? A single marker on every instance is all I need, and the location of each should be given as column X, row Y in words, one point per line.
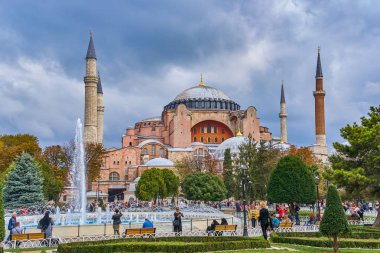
column 198, row 121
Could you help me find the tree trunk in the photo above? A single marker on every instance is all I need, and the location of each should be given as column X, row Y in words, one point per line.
column 335, row 244
column 377, row 221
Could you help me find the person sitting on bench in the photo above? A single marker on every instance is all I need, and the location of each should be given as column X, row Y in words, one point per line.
column 275, row 221
column 224, row 222
column 147, row 223
column 211, row 228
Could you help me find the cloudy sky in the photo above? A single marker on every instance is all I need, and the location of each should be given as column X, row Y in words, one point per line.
column 149, row 51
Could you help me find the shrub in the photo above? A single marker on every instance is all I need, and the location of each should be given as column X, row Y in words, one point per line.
column 168, row 244
column 334, row 222
column 325, row 242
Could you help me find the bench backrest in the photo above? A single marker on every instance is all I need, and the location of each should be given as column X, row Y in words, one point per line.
column 29, row 236
column 140, row 231
column 286, row 224
column 225, row 227
column 353, row 218
column 19, row 237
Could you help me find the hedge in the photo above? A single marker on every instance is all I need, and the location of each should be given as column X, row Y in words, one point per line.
column 165, row 244
column 354, row 234
column 326, row 242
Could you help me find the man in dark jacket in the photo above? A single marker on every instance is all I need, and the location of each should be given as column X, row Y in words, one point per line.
column 116, row 222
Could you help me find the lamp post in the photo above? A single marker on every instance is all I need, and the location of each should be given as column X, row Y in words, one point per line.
column 243, row 169
column 97, row 193
column 316, row 183
column 250, row 192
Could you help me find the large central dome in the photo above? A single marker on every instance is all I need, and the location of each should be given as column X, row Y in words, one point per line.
column 204, row 98
column 202, row 92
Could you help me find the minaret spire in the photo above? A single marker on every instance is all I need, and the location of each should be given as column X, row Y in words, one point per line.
column 283, row 116
column 91, row 49
column 282, row 93
column 319, row 65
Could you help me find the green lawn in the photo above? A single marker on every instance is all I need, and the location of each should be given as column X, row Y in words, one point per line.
column 300, row 249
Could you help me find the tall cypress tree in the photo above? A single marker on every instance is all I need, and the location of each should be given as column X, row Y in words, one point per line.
column 24, row 184
column 228, row 175
column 334, row 221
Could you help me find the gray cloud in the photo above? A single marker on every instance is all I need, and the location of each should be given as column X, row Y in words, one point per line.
column 149, row 51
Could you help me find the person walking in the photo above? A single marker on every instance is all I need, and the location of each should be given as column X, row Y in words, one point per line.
column 264, row 219
column 11, row 224
column 46, row 225
column 296, row 214
column 177, row 222
column 116, row 222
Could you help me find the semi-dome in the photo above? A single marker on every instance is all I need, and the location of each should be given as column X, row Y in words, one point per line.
column 203, row 97
column 160, row 162
column 232, row 144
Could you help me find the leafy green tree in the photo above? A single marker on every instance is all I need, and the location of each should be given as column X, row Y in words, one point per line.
column 228, row 174
column 171, row 182
column 52, row 186
column 24, row 184
column 291, row 182
column 151, row 185
column 203, row 186
column 334, row 222
column 355, row 166
column 260, row 161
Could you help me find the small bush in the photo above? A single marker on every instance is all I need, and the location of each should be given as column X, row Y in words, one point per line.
column 166, row 244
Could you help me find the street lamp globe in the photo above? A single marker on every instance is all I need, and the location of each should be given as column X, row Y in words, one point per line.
column 243, row 167
column 316, row 180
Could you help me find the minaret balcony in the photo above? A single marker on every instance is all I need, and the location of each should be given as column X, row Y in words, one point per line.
column 319, row 93
column 90, row 79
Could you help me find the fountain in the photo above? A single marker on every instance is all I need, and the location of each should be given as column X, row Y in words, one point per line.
column 57, row 216
column 78, row 173
column 108, row 214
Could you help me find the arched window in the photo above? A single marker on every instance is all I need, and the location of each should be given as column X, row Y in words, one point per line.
column 208, row 139
column 201, row 139
column 130, row 143
column 114, row 176
column 161, row 152
column 216, row 140
column 145, row 151
column 153, row 149
column 195, row 139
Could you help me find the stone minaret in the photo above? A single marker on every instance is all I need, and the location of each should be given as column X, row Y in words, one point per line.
column 90, row 106
column 100, row 111
column 319, row 96
column 283, row 116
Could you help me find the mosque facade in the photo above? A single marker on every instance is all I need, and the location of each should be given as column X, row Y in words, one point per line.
column 200, row 120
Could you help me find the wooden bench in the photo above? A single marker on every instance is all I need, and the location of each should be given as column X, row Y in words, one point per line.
column 354, row 219
column 140, row 232
column 286, row 225
column 29, row 236
column 219, row 229
column 19, row 238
